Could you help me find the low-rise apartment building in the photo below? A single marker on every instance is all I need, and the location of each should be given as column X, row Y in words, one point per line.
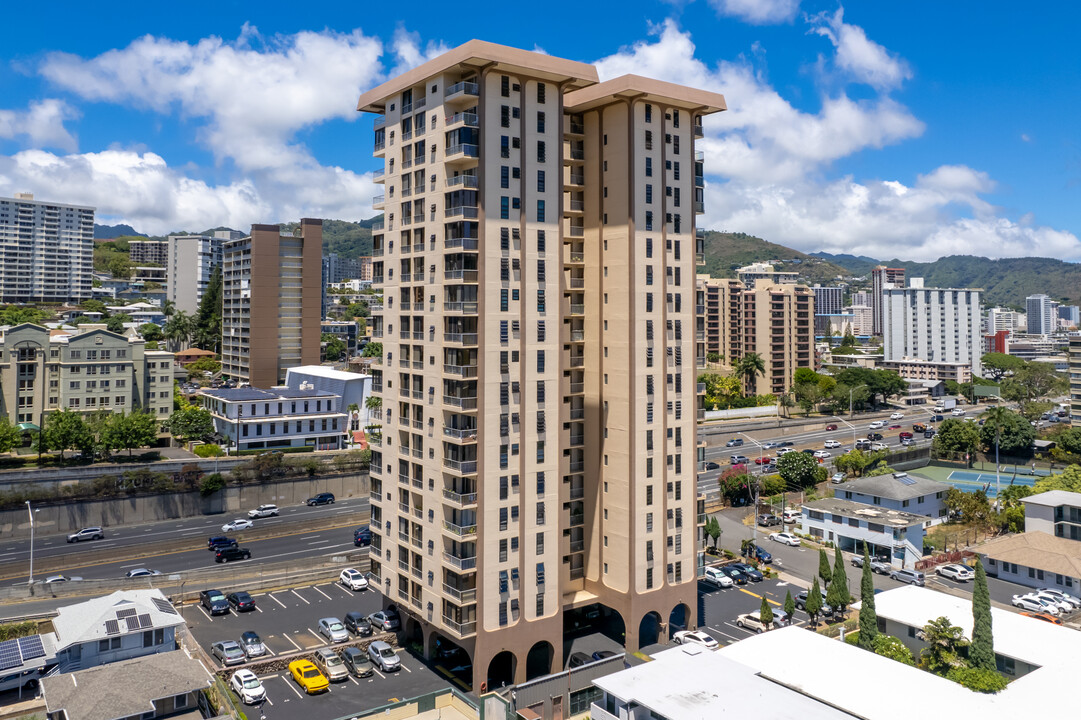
column 892, row 534
column 87, row 369
column 277, row 418
column 898, row 491
column 916, row 369
column 1035, row 559
column 1057, row 513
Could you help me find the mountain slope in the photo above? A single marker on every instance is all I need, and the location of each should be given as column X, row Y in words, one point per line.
column 108, row 232
column 724, row 252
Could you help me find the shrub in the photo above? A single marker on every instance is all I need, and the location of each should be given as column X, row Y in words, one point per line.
column 211, row 484
column 10, row 631
column 893, row 648
column 977, row 679
column 207, row 451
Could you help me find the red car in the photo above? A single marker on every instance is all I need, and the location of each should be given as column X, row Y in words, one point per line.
column 895, row 427
column 764, row 460
column 905, row 435
column 831, row 427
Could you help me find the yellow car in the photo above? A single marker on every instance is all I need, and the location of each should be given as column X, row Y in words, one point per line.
column 308, row 676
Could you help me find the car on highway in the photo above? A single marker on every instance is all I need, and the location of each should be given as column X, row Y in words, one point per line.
column 874, row 436
column 142, row 572
column 784, row 451
column 768, row 520
column 712, row 466
column 734, row 442
column 894, row 427
column 823, row 454
column 918, row 427
column 751, row 621
column 247, row 687
column 838, row 477
column 953, row 571
column 763, row 460
column 716, row 577
column 801, row 602
column 771, row 444
column 333, row 629
column 957, row 411
column 897, row 416
column 61, row 578
column 904, row 435
column 90, row 533
column 228, row 652
column 907, row 442
column 738, row 460
column 1073, row 600
column 912, row 577
column 320, row 499
column 357, row 623
column 831, row 427
column 876, row 446
column 831, row 444
column 239, row 524
column 383, row 655
column 362, row 537
column 749, row 571
column 308, row 676
column 385, row 621
column 219, row 541
column 785, row 539
column 929, row 433
column 791, row 515
column 330, row 664
column 877, row 424
column 695, row 637
column 357, row 662
column 862, row 444
column 735, row 575
column 252, row 644
column 1033, row 603
column 353, row 579
column 240, row 601
column 1042, row 616
column 264, row 511
column 938, row 418
column 227, row 554
column 214, row 602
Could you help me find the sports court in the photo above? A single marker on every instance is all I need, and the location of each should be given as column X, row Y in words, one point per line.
column 972, row 480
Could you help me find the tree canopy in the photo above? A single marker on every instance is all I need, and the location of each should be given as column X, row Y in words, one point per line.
column 797, row 469
column 1014, row 433
column 956, row 436
column 997, row 366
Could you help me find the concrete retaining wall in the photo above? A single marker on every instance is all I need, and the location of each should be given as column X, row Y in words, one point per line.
column 49, row 478
column 69, row 517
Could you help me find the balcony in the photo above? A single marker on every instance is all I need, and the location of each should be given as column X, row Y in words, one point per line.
column 465, row 435
column 576, row 180
column 463, row 467
column 699, row 206
column 380, row 121
column 464, row 242
column 577, row 309
column 576, row 231
column 466, row 500
column 465, row 211
column 462, row 119
column 461, row 307
column 469, row 339
column 463, row 597
column 577, row 413
column 378, row 202
column 699, row 131
column 462, row 152
column 466, row 371
column 460, row 629
column 574, row 128
column 459, row 530
column 575, row 206
column 466, row 181
column 468, row 91
column 466, row 276
column 376, row 495
column 461, row 563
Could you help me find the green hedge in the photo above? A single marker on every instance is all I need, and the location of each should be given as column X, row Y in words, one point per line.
column 18, row 630
column 283, row 450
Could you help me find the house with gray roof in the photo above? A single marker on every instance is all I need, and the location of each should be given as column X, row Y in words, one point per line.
column 899, row 491
column 117, row 627
column 894, row 535
column 1056, row 512
column 157, row 686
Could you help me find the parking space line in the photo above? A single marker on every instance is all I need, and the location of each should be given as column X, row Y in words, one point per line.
column 376, row 670
column 292, row 686
column 271, row 596
column 204, row 613
column 301, row 596
column 286, row 636
column 322, row 593
column 317, row 636
column 352, row 679
column 403, row 667
column 344, row 589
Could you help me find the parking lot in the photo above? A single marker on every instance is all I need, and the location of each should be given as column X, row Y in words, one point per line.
column 719, row 608
column 287, row 622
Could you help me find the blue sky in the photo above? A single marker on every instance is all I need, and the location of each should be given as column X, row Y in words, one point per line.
column 908, row 130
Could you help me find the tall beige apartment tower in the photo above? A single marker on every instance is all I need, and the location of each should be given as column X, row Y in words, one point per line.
column 536, row 471
column 271, row 296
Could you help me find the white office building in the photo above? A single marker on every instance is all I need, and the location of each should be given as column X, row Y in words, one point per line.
column 190, row 264
column 1042, row 314
column 828, row 300
column 1003, row 319
column 933, row 324
column 46, row 251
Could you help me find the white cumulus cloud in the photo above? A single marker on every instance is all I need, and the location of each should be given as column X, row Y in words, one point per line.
column 40, row 125
column 757, row 12
column 863, row 59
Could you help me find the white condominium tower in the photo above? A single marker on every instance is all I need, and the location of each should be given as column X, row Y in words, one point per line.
column 536, row 470
column 933, row 324
column 46, row 251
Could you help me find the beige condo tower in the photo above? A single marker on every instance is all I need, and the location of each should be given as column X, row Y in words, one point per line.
column 536, row 470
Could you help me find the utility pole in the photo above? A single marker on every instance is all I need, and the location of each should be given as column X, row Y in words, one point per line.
column 30, row 511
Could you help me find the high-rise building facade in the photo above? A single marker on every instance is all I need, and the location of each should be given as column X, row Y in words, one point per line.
column 1070, row 314
column 751, row 274
column 538, row 453
column 1002, row 320
column 778, row 325
column 721, row 317
column 271, row 302
column 46, row 251
column 364, row 269
column 883, row 277
column 152, row 252
column 862, row 297
column 338, row 268
column 1042, row 317
column 190, row 263
column 933, row 324
column 1075, row 380
column 828, row 300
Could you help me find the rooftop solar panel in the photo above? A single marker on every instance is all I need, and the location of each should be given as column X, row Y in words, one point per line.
column 112, row 627
column 9, row 654
column 31, row 647
column 164, row 605
column 145, row 621
column 130, row 612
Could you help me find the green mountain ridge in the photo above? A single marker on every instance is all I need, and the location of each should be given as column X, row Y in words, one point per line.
column 726, row 251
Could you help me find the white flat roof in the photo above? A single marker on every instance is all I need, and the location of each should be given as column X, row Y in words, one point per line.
column 327, row 372
column 692, row 683
column 1054, row 498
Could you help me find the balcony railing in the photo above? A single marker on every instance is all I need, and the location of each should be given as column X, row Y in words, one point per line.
column 466, row 307
column 459, row 499
column 461, row 433
column 465, row 211
column 462, row 563
column 463, row 338
column 467, row 119
column 459, row 529
column 466, row 596
column 466, row 467
column 460, row 629
column 466, row 181
column 468, row 150
column 463, row 88
column 466, row 276
column 462, row 370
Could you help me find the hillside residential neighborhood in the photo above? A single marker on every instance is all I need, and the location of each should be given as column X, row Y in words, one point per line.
column 541, row 433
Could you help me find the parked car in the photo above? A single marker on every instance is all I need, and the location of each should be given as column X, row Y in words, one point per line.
column 252, row 644
column 219, row 541
column 749, row 571
column 738, row 460
column 357, row 623
column 695, row 637
column 235, row 525
column 912, row 577
column 353, row 579
column 1062, row 605
column 1035, row 604
column 790, row 516
column 1073, row 600
column 603, row 654
column 357, row 662
column 333, row 630
column 362, row 537
column 751, row 621
column 228, row 652
column 761, row 554
column 308, row 676
column 768, row 520
column 330, row 664
column 142, row 572
column 247, row 687
column 90, row 533
column 823, row 454
column 801, row 602
column 829, row 444
column 953, row 571
column 214, row 602
column 736, row 576
column 716, row 577
column 831, row 427
column 383, row 655
column 320, row 499
column 785, row 539
column 1042, row 616
column 226, row 554
column 734, row 442
column 241, row 601
column 897, row 416
column 578, row 659
column 384, row 621
column 877, row 424
column 838, row 477
column 264, row 511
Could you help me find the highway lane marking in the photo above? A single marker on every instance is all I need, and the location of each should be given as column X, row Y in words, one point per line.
column 322, row 593
column 306, row 602
column 319, row 542
column 292, row 686
column 271, row 596
column 309, row 537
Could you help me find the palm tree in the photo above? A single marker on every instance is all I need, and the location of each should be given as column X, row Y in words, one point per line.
column 168, row 308
column 749, row 367
column 997, row 417
column 178, row 330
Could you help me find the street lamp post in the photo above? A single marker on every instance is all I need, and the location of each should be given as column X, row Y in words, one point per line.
column 757, row 486
column 239, row 416
column 30, row 512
